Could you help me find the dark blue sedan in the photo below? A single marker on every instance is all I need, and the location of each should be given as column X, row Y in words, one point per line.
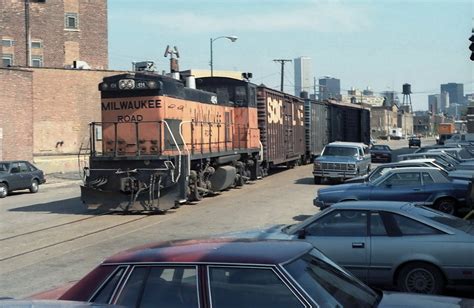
column 420, row 185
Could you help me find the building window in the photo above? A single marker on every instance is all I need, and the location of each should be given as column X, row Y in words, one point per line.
column 71, row 21
column 37, row 61
column 7, row 42
column 36, row 44
column 7, row 60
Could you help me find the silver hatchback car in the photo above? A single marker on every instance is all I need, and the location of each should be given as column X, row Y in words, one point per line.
column 414, row 248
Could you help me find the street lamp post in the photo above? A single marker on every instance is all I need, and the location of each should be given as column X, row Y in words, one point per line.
column 232, row 38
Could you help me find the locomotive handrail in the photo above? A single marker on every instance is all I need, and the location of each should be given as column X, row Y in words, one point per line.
column 179, row 152
column 185, row 145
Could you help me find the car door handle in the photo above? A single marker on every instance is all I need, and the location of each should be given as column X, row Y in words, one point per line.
column 358, row 245
column 416, row 189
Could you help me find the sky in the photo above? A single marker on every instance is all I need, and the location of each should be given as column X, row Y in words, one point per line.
column 377, row 43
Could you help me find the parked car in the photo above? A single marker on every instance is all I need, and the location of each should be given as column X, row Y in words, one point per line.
column 234, row 273
column 341, row 160
column 449, row 160
column 18, row 175
column 381, row 153
column 461, row 154
column 381, row 169
column 389, row 244
column 414, row 141
column 421, row 185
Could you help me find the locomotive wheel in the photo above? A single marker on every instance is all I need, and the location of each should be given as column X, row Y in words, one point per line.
column 239, row 181
column 195, row 194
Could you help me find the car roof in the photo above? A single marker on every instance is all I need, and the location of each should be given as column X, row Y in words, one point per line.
column 243, row 251
column 411, row 169
column 416, row 160
column 370, row 205
column 348, row 144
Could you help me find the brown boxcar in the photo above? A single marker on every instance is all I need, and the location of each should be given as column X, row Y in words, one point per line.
column 281, row 124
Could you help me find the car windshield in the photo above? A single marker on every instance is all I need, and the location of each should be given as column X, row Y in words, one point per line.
column 378, row 172
column 328, row 284
column 465, row 154
column 4, row 167
column 339, row 151
column 445, row 219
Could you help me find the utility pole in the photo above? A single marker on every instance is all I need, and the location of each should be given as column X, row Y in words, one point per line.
column 282, row 62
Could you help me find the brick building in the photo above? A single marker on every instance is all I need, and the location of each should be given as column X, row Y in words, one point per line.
column 45, row 112
column 60, row 32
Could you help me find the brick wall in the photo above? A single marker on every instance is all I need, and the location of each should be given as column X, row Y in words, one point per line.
column 16, row 116
column 65, row 102
column 60, row 46
column 46, row 112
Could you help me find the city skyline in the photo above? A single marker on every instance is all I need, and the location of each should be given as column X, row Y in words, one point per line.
column 381, row 44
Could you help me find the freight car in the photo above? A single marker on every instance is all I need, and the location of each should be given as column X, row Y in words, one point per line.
column 330, row 121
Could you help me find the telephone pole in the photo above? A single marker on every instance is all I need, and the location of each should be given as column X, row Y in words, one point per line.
column 282, row 62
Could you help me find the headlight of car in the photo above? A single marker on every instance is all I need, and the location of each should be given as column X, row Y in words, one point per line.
column 317, row 165
column 351, row 167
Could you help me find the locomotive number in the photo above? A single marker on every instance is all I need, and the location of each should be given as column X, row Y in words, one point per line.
column 274, row 110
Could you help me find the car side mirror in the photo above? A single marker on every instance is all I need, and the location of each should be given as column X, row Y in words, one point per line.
column 302, row 234
column 388, row 185
column 15, row 170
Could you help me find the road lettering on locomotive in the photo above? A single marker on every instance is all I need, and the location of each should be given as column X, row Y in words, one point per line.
column 274, row 107
column 130, row 118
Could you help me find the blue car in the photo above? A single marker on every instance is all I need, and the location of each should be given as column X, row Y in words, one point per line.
column 421, row 185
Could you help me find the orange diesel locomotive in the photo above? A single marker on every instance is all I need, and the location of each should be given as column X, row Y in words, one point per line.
column 161, row 144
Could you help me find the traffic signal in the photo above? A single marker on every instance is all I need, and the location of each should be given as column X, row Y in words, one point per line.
column 471, row 47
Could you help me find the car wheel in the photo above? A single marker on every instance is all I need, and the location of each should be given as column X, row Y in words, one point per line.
column 420, row 278
column 317, row 180
column 34, row 186
column 446, row 205
column 3, row 190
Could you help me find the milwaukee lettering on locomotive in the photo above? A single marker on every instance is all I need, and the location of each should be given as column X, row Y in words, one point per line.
column 138, row 104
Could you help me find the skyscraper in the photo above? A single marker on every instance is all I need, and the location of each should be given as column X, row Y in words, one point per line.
column 456, row 92
column 329, row 88
column 303, row 75
column 433, row 103
column 444, row 100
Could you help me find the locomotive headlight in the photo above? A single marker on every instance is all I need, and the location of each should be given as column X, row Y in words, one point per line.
column 126, row 84
column 151, row 84
column 351, row 166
